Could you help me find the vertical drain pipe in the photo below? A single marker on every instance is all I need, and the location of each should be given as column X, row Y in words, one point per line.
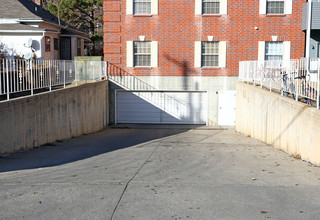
column 309, row 7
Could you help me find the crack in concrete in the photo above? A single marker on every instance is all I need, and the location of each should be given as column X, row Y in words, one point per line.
column 128, row 183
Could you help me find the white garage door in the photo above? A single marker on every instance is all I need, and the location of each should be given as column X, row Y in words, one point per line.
column 161, row 107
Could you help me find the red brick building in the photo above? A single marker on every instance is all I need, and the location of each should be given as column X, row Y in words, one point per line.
column 208, row 38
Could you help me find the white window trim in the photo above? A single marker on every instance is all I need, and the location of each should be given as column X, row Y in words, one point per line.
column 149, row 54
column 211, row 54
column 154, row 55
column 222, row 55
column 287, row 7
column 286, row 50
column 223, row 7
column 130, row 8
column 129, row 53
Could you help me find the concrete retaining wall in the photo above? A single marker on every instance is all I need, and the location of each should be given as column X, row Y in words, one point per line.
column 44, row 118
column 279, row 121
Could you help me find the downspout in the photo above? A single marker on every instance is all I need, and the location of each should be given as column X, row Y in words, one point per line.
column 308, row 52
column 308, row 34
column 41, row 49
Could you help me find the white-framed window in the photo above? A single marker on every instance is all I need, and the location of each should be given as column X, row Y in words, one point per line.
column 275, row 7
column 142, row 54
column 142, row 7
column 273, row 50
column 210, row 7
column 210, row 54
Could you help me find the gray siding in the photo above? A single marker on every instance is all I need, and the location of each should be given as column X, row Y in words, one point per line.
column 304, row 17
column 315, row 15
column 315, row 20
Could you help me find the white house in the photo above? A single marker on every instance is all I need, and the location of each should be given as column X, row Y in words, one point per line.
column 26, row 30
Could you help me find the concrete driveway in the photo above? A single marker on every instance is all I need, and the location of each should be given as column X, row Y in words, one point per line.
column 158, row 174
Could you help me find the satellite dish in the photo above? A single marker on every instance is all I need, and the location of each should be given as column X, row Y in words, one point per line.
column 28, row 56
column 29, row 43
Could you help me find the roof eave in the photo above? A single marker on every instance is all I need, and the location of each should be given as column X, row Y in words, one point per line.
column 22, row 31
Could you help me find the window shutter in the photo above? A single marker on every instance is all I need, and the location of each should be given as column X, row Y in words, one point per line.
column 154, row 53
column 197, row 54
column 263, row 7
column 129, row 7
column 288, row 7
column 286, row 50
column 222, row 53
column 129, row 53
column 198, row 7
column 223, row 7
column 261, row 50
column 154, row 7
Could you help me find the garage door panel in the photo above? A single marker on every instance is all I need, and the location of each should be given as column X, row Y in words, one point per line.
column 139, row 114
column 129, row 120
column 161, row 107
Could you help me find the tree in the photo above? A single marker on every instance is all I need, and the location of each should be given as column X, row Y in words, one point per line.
column 85, row 15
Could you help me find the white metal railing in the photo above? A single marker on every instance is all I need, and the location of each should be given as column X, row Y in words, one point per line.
column 139, row 87
column 18, row 76
column 298, row 78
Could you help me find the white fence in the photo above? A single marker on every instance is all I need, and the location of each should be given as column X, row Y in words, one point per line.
column 18, row 76
column 296, row 78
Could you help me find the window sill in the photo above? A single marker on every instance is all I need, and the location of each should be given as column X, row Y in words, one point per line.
column 213, row 15
column 142, row 67
column 211, row 67
column 275, row 15
column 142, row 15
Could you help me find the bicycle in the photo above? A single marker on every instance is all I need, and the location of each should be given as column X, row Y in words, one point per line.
column 307, row 90
column 287, row 89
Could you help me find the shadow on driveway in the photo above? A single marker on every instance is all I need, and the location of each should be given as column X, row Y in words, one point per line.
column 83, row 147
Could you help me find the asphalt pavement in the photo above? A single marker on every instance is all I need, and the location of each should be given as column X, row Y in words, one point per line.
column 158, row 173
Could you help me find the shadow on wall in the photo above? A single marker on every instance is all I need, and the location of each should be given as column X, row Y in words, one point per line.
column 186, row 72
column 81, row 148
column 7, row 52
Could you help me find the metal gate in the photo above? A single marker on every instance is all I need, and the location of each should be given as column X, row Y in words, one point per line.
column 161, row 107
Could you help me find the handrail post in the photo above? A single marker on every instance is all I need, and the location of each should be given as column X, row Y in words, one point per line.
column 297, row 67
column 8, row 92
column 318, row 81
column 64, row 74
column 75, row 75
column 31, row 74
column 107, row 70
column 92, row 70
column 50, row 80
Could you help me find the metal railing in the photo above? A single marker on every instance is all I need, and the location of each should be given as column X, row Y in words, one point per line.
column 127, row 81
column 18, row 76
column 296, row 78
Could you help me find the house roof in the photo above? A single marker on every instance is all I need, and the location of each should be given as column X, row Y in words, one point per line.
column 25, row 9
column 18, row 27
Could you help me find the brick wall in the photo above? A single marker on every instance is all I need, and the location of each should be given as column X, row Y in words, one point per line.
column 176, row 28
